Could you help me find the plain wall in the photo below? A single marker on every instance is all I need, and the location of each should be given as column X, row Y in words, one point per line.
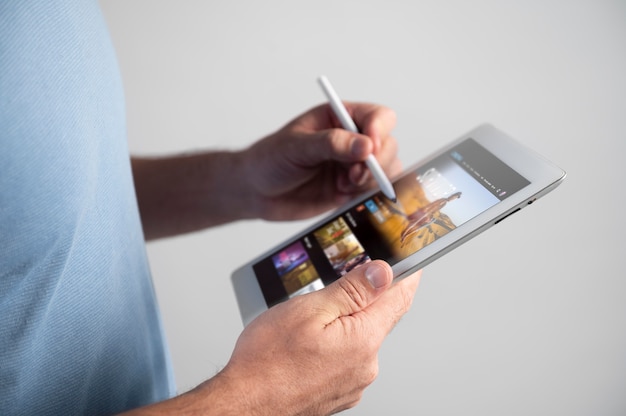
column 528, row 318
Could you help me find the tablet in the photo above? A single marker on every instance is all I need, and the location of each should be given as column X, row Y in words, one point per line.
column 456, row 193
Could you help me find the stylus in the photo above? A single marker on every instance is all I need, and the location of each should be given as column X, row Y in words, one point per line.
column 348, row 124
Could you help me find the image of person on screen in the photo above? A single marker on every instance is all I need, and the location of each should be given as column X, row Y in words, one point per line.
column 427, row 215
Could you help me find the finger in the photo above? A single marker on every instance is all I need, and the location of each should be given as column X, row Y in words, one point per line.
column 359, row 176
column 375, row 124
column 374, row 121
column 388, row 156
column 355, row 291
column 331, row 145
column 392, row 305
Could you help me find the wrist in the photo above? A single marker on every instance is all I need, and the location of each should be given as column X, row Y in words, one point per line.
column 217, row 396
column 229, row 192
column 227, row 395
column 254, row 192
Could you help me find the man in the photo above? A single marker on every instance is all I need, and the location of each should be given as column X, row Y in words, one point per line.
column 80, row 331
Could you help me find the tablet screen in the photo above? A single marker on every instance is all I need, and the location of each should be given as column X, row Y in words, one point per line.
column 432, row 200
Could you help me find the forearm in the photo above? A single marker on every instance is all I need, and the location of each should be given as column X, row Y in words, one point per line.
column 217, row 396
column 186, row 193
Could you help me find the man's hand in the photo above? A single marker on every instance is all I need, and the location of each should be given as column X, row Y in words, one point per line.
column 312, row 165
column 309, row 166
column 315, row 354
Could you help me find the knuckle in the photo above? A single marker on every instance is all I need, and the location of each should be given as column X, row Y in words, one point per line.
column 338, row 143
column 335, row 138
column 387, row 114
column 388, row 149
column 350, row 402
column 406, row 300
column 402, row 306
column 390, row 114
column 356, row 400
column 391, row 144
column 370, row 373
column 355, row 294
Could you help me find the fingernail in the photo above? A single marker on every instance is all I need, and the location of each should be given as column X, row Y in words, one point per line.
column 376, row 275
column 358, row 147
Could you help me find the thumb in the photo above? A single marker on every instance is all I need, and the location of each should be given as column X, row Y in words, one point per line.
column 355, row 291
column 333, row 144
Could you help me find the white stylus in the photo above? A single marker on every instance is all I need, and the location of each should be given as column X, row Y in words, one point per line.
column 348, row 124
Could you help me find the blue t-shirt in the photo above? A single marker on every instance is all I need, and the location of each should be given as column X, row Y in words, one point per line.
column 80, row 331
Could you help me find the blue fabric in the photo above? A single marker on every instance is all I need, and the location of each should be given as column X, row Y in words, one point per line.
column 80, row 331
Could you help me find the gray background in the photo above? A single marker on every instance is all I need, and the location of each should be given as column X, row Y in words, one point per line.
column 528, row 318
